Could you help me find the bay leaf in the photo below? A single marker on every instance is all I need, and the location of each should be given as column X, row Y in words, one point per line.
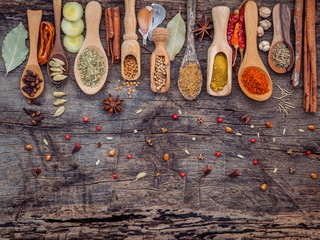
column 59, row 111
column 14, row 50
column 141, row 175
column 177, row 35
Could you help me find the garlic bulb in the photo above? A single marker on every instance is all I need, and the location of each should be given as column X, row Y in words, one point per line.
column 159, row 14
column 260, row 31
column 264, row 12
column 264, row 46
column 145, row 17
column 265, row 24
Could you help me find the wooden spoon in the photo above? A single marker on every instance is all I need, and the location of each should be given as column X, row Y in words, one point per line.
column 57, row 51
column 160, row 36
column 92, row 40
column 251, row 57
column 281, row 35
column 190, row 54
column 130, row 45
column 220, row 16
column 34, row 19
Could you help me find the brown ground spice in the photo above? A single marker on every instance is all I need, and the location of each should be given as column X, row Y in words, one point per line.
column 190, row 79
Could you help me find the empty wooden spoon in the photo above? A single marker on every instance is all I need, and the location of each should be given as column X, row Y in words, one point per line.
column 92, row 41
column 281, row 35
column 190, row 56
column 220, row 16
column 160, row 36
column 57, row 51
column 130, row 45
column 34, row 19
column 251, row 57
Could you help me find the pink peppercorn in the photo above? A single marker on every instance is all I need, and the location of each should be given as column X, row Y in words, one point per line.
column 308, row 152
column 67, row 137
column 85, row 119
column 253, row 140
column 115, row 176
column 175, row 116
column 219, row 120
column 182, row 174
column 218, row 153
column 255, row 162
column 98, row 128
column 129, row 156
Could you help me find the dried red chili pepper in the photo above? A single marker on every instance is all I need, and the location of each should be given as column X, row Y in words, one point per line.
column 233, row 19
column 241, row 37
column 47, row 37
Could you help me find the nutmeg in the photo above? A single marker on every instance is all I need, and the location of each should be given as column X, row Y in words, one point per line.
column 265, row 24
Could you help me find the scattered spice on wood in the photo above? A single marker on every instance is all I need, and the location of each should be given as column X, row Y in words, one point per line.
column 164, row 130
column 203, row 28
column 283, row 103
column 149, row 142
column 255, row 81
column 31, row 101
column 45, row 142
column 37, row 120
column 32, row 81
column 98, row 144
column 76, row 147
column 268, row 124
column 190, row 79
column 313, row 175
column 289, row 151
column 48, row 157
column 228, row 129
column 200, row 120
column 206, row 171
column 201, row 157
column 36, row 171
column 28, row 147
column 32, row 112
column 98, row 162
column 158, row 173
column 263, row 187
column 113, row 105
column 233, row 173
column 240, row 156
column 112, row 152
column 47, row 37
column 140, row 175
column 312, row 127
column 246, row 119
column 292, row 170
column 166, row 157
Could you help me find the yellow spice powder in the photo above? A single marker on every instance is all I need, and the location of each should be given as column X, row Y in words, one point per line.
column 219, row 72
column 190, row 79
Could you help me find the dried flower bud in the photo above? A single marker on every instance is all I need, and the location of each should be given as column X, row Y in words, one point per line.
column 264, row 12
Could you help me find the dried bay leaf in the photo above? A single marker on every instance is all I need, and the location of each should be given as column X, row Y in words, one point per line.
column 177, row 35
column 14, row 50
column 59, row 111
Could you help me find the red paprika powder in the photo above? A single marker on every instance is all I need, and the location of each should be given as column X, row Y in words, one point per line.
column 255, row 81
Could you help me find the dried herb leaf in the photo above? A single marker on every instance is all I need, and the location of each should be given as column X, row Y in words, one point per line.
column 140, row 175
column 59, row 102
column 177, row 34
column 14, row 50
column 59, row 111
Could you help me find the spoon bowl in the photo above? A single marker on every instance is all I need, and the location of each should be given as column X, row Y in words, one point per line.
column 34, row 19
column 92, row 41
column 251, row 57
column 281, row 35
column 57, row 51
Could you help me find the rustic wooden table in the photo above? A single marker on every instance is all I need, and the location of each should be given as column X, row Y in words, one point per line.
column 74, row 198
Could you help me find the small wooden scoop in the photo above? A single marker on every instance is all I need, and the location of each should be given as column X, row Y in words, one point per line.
column 190, row 54
column 34, row 19
column 220, row 16
column 92, row 40
column 251, row 57
column 57, row 51
column 130, row 45
column 281, row 35
column 160, row 36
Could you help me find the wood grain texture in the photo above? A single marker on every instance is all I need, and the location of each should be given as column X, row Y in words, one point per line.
column 75, row 199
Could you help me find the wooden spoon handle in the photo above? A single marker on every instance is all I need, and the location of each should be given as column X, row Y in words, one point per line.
column 191, row 19
column 57, row 19
column 93, row 16
column 130, row 21
column 220, row 17
column 251, row 23
column 34, row 19
column 281, row 23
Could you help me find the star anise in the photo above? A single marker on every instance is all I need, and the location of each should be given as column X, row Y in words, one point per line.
column 113, row 105
column 203, row 27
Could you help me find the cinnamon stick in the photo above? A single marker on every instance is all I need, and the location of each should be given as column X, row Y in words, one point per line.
column 311, row 38
column 111, row 32
column 116, row 39
column 306, row 85
column 107, row 30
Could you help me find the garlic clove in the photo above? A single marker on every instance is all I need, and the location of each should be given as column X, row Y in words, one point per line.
column 264, row 12
column 159, row 14
column 264, row 46
column 260, row 31
column 145, row 17
column 265, row 24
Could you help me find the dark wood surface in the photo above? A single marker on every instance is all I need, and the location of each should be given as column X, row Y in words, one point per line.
column 73, row 198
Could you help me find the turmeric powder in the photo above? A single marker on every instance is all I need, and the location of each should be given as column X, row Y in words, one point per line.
column 219, row 72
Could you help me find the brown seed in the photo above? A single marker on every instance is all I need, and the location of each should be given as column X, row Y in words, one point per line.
column 228, row 129
column 28, row 147
column 48, row 157
column 313, row 175
column 268, row 124
column 112, row 153
column 166, row 157
column 246, row 118
column 36, row 171
column 311, row 127
column 263, row 187
column 76, row 147
column 98, row 144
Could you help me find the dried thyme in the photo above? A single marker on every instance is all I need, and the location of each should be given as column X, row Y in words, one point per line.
column 91, row 67
column 281, row 56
